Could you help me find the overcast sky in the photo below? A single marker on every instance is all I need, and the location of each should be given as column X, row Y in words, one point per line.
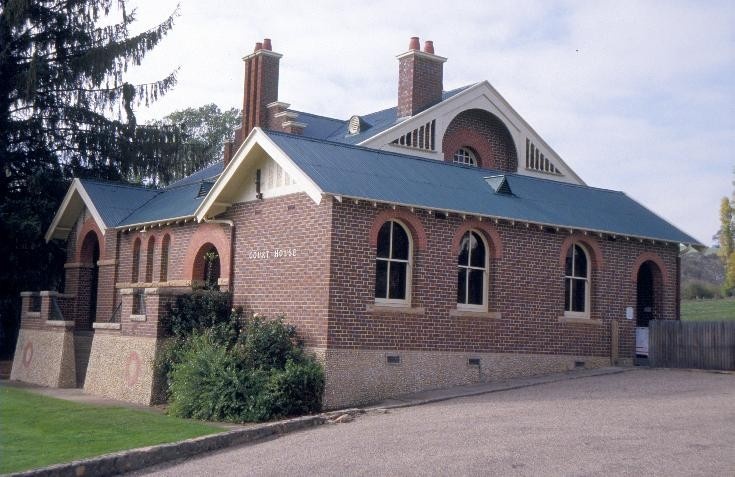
column 637, row 96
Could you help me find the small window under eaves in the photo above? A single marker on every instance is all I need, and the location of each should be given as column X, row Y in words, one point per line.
column 499, row 184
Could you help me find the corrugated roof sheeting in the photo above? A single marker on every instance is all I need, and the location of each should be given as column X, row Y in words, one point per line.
column 115, row 201
column 396, row 178
column 173, row 202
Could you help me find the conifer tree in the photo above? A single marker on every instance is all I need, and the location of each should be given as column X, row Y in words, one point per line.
column 66, row 110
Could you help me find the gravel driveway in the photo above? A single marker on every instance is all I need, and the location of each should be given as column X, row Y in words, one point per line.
column 641, row 422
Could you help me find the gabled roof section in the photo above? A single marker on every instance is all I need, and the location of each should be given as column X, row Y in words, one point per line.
column 108, row 202
column 322, row 127
column 369, row 174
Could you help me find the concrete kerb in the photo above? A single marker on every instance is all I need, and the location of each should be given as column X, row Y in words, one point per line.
column 137, row 459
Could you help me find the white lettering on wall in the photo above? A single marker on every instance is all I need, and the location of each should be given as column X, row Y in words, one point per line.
column 270, row 254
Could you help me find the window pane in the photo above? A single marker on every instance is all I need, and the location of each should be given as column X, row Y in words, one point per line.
column 568, row 263
column 478, row 251
column 400, row 242
column 580, row 262
column 384, row 240
column 462, row 285
column 578, row 295
column 381, row 278
column 475, row 287
column 567, row 287
column 464, row 250
column 397, row 284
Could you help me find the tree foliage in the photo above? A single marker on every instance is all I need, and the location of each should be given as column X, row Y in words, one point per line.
column 727, row 246
column 66, row 110
column 205, row 129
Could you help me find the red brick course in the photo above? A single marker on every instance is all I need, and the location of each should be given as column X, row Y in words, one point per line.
column 486, row 135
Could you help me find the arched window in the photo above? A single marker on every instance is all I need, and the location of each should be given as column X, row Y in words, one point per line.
column 393, row 264
column 577, row 282
column 465, row 156
column 472, row 264
column 165, row 244
column 135, row 275
column 149, row 260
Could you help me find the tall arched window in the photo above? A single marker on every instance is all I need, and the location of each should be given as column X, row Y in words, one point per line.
column 472, row 264
column 165, row 244
column 577, row 282
column 149, row 259
column 135, row 275
column 393, row 264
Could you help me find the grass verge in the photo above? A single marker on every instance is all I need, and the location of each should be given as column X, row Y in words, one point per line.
column 37, row 431
column 708, row 310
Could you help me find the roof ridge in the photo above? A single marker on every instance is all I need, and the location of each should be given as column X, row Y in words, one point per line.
column 319, row 116
column 119, row 184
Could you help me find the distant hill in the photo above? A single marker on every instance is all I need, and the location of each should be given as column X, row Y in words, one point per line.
column 703, row 266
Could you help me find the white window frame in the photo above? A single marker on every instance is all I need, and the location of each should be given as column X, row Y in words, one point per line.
column 485, row 275
column 587, row 283
column 409, row 267
column 465, row 153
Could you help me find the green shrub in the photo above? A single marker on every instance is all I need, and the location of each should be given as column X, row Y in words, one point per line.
column 201, row 310
column 696, row 289
column 231, row 372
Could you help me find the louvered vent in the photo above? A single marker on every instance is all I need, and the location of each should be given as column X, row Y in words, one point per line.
column 499, row 184
column 420, row 138
column 537, row 161
column 355, row 125
column 204, row 188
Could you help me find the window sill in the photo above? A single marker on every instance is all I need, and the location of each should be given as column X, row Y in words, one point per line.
column 60, row 323
column 579, row 320
column 458, row 312
column 395, row 309
column 33, row 314
column 137, row 318
column 106, row 326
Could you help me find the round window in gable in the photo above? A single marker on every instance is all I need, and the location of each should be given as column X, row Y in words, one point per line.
column 465, row 156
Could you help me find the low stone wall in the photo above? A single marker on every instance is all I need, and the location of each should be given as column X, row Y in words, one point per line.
column 121, row 367
column 45, row 357
column 355, row 377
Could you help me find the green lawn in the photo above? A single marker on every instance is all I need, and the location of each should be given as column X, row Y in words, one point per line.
column 36, row 431
column 708, row 310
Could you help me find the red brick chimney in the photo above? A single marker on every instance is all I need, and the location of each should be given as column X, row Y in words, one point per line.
column 420, row 78
column 261, row 87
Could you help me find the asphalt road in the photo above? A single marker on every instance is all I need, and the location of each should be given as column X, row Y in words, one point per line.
column 641, row 422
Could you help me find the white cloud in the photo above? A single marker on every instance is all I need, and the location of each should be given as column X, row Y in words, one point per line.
column 636, row 96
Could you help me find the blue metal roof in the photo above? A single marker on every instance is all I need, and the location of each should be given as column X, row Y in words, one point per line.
column 322, row 127
column 115, row 201
column 371, row 174
column 169, row 203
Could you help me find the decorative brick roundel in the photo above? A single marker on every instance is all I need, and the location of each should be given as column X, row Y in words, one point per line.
column 27, row 354
column 132, row 369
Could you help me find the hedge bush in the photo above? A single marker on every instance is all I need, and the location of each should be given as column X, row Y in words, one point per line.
column 224, row 368
column 696, row 289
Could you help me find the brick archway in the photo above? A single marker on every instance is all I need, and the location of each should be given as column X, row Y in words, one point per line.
column 418, row 234
column 492, row 237
column 590, row 244
column 649, row 257
column 485, row 134
column 88, row 226
column 208, row 234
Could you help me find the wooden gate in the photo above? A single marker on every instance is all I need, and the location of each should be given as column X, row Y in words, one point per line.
column 690, row 344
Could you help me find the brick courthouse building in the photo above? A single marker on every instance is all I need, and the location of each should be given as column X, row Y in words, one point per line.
column 439, row 242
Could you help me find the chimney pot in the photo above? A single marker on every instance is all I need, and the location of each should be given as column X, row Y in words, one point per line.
column 429, row 47
column 258, row 47
column 414, row 43
column 267, row 44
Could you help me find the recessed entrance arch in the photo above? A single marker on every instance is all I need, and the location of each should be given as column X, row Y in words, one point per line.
column 649, row 286
column 89, row 254
column 207, row 268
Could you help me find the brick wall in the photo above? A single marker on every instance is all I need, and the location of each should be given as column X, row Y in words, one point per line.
column 526, row 288
column 486, row 135
column 296, row 283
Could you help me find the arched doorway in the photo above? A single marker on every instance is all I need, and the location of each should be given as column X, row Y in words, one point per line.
column 89, row 254
column 207, row 269
column 648, row 302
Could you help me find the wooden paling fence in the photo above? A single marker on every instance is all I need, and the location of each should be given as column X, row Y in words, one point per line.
column 687, row 344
